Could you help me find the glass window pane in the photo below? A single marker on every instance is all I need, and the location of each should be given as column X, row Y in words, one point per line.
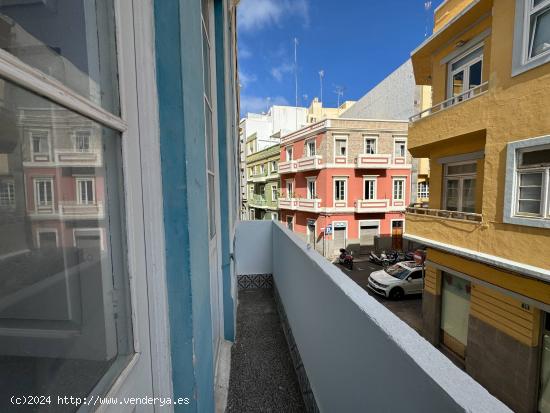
column 64, row 286
column 206, row 65
column 452, row 195
column 475, row 75
column 466, row 168
column 531, row 179
column 540, row 33
column 72, row 41
column 458, row 83
column 535, row 158
column 211, row 205
column 467, row 59
column 469, row 195
column 455, row 311
column 529, row 207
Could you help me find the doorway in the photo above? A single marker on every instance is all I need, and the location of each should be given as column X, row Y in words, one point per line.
column 367, row 232
column 397, row 227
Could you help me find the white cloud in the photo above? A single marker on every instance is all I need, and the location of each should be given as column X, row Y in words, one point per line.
column 246, row 78
column 279, row 71
column 256, row 14
column 258, row 104
column 244, row 52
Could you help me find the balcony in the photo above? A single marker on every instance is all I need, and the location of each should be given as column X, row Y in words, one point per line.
column 288, row 167
column 374, row 161
column 74, row 210
column 346, row 349
column 372, row 205
column 309, row 205
column 443, row 213
column 260, row 177
column 451, row 102
column 257, row 202
column 76, row 158
column 288, row 203
column 309, row 163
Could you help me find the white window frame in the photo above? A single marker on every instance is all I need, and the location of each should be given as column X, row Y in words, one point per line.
column 396, row 139
column 341, row 138
column 10, row 184
column 396, row 179
column 460, row 178
column 374, row 181
column 289, row 193
column 311, row 181
column 41, row 133
column 511, row 193
column 370, row 137
column 75, row 140
column 36, row 183
column 309, row 145
column 274, row 167
column 134, row 36
column 289, row 153
column 274, row 193
column 80, row 179
column 97, row 231
column 419, row 191
column 465, row 68
column 47, row 231
column 340, row 179
column 521, row 62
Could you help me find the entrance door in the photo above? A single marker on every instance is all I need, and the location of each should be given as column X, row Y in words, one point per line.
column 289, row 222
column 311, row 234
column 212, row 176
column 397, row 235
column 367, row 232
column 339, row 237
column 455, row 312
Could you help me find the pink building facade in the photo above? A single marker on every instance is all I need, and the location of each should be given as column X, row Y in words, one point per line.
column 344, row 182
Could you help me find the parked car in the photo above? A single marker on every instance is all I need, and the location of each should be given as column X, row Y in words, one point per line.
column 397, row 280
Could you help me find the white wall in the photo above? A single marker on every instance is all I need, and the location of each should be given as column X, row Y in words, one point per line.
column 357, row 354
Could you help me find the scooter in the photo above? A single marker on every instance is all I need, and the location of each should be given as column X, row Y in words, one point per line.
column 378, row 259
column 346, row 258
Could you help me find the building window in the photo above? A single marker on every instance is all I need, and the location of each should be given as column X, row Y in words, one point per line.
column 43, row 190
column 531, row 35
column 399, row 189
column 465, row 72
column 340, row 189
column 274, row 166
column 311, row 194
column 460, row 187
column 274, row 192
column 82, row 141
column 370, row 189
column 341, row 146
column 289, row 189
column 40, row 143
column 423, row 190
column 289, row 153
column 289, row 222
column 85, row 190
column 370, row 145
column 533, row 182
column 7, row 194
column 455, row 312
column 262, row 169
column 310, row 147
column 400, row 148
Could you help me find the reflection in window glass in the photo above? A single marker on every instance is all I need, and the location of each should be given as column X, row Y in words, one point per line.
column 64, row 316
column 72, row 41
column 455, row 311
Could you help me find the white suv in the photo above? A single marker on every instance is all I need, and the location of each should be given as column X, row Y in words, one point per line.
column 397, row 280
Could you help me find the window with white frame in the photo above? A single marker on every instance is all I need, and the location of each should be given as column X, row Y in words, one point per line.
column 43, row 192
column 341, row 146
column 400, row 147
column 340, row 189
column 274, row 192
column 398, row 189
column 7, row 194
column 533, row 182
column 531, row 35
column 369, row 189
column 370, row 144
column 85, row 191
column 274, row 166
column 262, row 169
column 82, row 141
column 289, row 189
column 311, row 194
column 460, row 186
column 310, row 147
column 289, row 153
column 465, row 71
column 423, row 190
column 40, row 142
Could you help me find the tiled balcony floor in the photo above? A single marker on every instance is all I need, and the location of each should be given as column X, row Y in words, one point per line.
column 262, row 376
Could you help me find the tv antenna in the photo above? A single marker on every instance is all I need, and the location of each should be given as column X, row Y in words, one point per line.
column 321, row 77
column 339, row 90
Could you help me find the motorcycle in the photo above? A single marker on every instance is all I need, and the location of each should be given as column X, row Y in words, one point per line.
column 346, row 258
column 384, row 259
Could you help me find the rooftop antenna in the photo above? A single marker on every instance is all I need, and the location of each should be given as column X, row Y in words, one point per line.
column 427, row 8
column 321, row 76
column 339, row 90
column 296, row 77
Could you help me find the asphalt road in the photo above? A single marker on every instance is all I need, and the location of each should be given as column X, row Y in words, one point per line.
column 409, row 309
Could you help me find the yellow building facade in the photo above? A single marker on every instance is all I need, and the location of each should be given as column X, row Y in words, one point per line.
column 487, row 224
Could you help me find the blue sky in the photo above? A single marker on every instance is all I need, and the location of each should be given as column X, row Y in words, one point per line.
column 356, row 42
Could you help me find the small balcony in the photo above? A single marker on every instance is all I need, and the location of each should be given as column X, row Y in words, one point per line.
column 288, row 203
column 374, row 161
column 443, row 213
column 372, row 205
column 309, row 163
column 74, row 210
column 77, row 158
column 310, row 339
column 288, row 167
column 257, row 201
column 451, row 102
column 309, row 205
column 260, row 177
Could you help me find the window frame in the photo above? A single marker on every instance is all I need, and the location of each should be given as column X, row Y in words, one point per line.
column 78, row 181
column 521, row 62
column 370, row 137
column 36, row 184
column 311, row 181
column 403, row 180
column 76, row 134
column 11, row 201
column 42, row 133
column 342, row 138
column 309, row 143
column 465, row 68
column 374, row 180
column 420, row 193
column 397, row 139
column 289, row 153
column 460, row 179
column 345, row 181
